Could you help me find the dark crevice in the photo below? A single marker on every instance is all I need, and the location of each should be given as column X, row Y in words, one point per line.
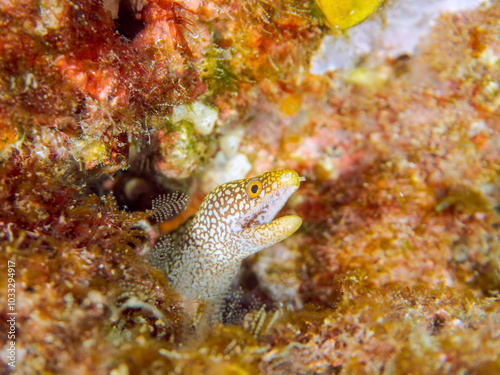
column 129, row 22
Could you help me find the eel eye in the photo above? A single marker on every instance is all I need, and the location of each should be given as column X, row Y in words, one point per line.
column 254, row 188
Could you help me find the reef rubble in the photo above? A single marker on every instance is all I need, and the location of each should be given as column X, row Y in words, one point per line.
column 396, row 268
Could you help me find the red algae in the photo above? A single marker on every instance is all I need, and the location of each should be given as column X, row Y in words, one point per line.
column 395, row 269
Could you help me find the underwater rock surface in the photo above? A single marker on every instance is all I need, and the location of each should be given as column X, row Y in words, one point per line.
column 396, row 268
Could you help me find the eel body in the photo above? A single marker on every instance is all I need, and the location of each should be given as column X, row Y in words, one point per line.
column 234, row 221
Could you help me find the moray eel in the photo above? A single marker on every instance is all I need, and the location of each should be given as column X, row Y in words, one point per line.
column 234, row 221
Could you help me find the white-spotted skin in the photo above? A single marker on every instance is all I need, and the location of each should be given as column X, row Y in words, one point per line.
column 228, row 227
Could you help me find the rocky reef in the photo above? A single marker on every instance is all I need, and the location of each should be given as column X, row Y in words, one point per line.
column 107, row 104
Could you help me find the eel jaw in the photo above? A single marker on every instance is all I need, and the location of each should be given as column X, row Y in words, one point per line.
column 258, row 229
column 254, row 239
